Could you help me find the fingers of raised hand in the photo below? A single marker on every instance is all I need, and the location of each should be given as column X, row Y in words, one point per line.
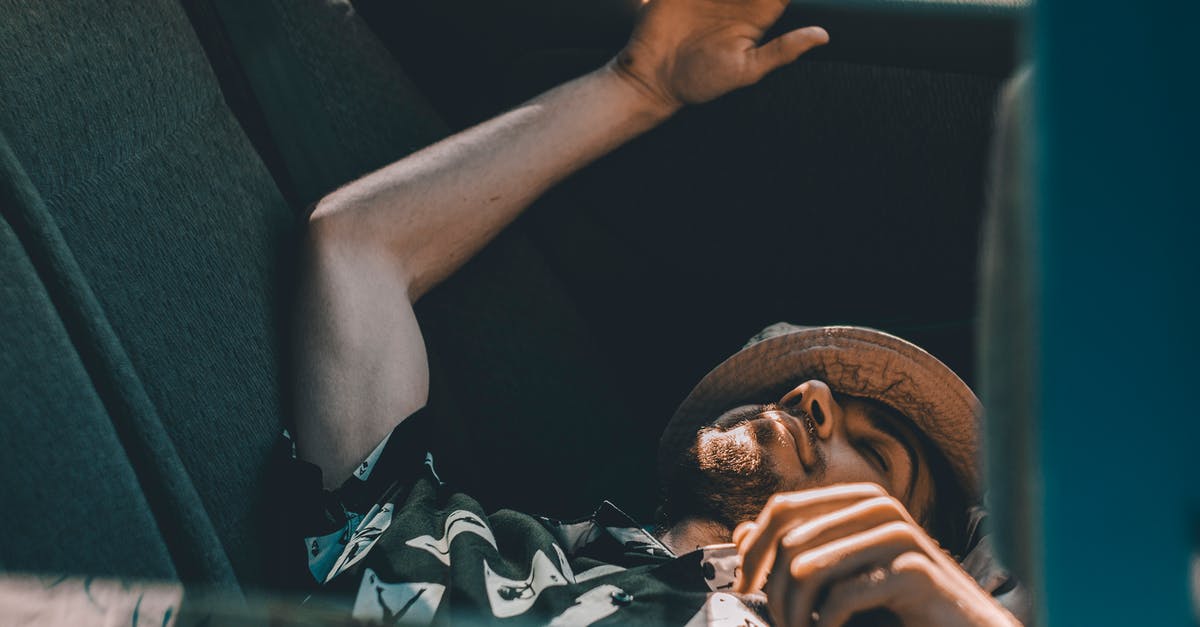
column 758, row 542
column 786, row 48
column 797, row 582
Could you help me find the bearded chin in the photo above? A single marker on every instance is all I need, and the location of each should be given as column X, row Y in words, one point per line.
column 723, row 477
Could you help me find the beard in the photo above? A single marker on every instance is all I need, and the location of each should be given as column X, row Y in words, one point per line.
column 722, row 477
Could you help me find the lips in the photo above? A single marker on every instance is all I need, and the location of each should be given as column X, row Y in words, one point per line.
column 795, row 428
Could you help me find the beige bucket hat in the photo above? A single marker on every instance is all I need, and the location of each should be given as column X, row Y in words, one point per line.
column 855, row 361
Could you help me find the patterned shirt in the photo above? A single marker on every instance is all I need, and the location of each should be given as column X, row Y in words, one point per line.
column 395, row 543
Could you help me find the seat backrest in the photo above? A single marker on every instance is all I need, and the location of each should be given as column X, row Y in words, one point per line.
column 335, row 102
column 58, row 448
column 147, row 201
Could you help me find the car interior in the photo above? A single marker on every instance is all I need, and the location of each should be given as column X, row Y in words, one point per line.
column 159, row 159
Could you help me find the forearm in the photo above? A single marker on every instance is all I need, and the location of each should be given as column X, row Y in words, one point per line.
column 435, row 209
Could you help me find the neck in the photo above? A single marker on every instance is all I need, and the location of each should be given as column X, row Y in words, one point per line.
column 692, row 533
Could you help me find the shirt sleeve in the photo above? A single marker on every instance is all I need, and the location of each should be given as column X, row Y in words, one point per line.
column 321, row 522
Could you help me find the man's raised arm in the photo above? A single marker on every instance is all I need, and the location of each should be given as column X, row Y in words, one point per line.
column 379, row 243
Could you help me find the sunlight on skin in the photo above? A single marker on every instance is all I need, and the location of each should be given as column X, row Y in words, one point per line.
column 740, row 438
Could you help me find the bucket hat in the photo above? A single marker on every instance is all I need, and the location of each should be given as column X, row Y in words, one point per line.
column 855, row 361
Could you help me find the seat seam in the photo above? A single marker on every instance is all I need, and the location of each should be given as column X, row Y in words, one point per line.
column 91, row 182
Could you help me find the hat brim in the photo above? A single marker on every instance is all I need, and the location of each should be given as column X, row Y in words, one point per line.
column 855, row 361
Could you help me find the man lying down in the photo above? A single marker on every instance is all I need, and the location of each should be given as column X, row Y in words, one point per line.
column 808, row 479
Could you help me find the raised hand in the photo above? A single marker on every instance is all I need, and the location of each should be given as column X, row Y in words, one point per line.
column 827, row 554
column 692, row 51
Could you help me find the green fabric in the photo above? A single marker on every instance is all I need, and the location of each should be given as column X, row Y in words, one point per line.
column 59, row 453
column 192, row 542
column 523, row 385
column 336, row 103
column 182, row 239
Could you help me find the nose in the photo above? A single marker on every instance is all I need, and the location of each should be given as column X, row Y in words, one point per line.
column 816, row 399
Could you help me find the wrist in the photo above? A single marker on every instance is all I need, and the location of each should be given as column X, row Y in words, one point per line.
column 652, row 100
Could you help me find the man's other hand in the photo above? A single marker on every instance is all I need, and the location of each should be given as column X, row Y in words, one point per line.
column 824, row 555
column 692, row 51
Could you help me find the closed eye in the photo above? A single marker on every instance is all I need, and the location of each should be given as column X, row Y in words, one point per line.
column 879, row 460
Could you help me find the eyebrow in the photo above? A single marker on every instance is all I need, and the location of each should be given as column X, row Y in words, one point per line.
column 881, row 422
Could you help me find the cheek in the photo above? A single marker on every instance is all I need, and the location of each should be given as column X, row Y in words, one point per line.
column 847, row 465
column 733, row 451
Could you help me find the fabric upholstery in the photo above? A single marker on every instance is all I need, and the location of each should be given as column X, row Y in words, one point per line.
column 178, row 233
column 337, row 105
column 59, row 453
column 194, row 547
column 539, row 415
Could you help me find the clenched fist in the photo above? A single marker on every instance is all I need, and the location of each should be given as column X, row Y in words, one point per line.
column 692, row 51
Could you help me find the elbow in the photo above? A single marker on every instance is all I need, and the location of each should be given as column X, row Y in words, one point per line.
column 330, row 224
column 337, row 230
column 341, row 241
column 333, row 240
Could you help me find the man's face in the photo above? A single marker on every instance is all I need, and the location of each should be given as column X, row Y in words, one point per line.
column 807, row 439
